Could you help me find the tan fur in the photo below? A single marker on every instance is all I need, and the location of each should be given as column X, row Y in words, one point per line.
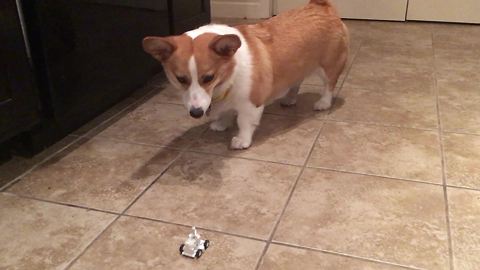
column 294, row 44
column 209, row 62
column 174, row 53
column 175, row 62
column 262, row 76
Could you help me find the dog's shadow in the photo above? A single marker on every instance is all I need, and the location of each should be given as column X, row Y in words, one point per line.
column 201, row 162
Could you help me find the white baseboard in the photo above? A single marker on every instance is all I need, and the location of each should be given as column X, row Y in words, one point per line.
column 241, row 9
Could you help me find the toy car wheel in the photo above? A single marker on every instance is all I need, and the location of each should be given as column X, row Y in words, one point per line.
column 206, row 244
column 181, row 248
column 198, row 254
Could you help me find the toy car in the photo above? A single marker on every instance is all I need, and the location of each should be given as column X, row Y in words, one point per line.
column 194, row 247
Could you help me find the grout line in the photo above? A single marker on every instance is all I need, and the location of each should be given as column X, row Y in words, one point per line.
column 264, row 251
column 44, row 160
column 126, row 141
column 239, row 157
column 376, row 175
column 463, row 187
column 198, row 227
column 72, row 262
column 443, row 160
column 78, row 138
column 131, row 216
column 461, row 133
column 379, row 124
column 153, row 182
column 260, row 259
column 88, row 208
column 290, row 195
column 343, row 255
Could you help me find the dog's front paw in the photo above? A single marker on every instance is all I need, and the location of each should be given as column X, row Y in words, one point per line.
column 218, row 126
column 239, row 143
column 322, row 104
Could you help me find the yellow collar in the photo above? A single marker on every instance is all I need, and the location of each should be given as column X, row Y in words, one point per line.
column 222, row 96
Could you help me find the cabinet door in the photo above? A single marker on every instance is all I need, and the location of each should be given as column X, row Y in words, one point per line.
column 467, row 11
column 393, row 10
column 188, row 14
column 88, row 53
column 18, row 98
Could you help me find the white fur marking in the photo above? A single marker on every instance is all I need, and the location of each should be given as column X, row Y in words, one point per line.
column 325, row 101
column 196, row 96
column 239, row 100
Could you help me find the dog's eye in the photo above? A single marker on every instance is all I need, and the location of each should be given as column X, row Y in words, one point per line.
column 182, row 79
column 207, row 78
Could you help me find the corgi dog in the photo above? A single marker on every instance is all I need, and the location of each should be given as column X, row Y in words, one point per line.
column 234, row 72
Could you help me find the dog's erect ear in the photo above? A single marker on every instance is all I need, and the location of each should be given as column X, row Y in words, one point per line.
column 225, row 45
column 161, row 48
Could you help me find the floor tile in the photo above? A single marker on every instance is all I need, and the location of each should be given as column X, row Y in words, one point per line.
column 17, row 166
column 373, row 54
column 227, row 194
column 408, row 34
column 279, row 139
column 286, row 258
column 456, row 36
column 385, row 151
column 97, row 173
column 465, row 225
column 404, row 108
column 462, row 154
column 356, row 30
column 459, row 96
column 140, row 244
column 155, row 123
column 383, row 219
column 38, row 235
column 169, row 94
column 457, row 59
column 383, row 76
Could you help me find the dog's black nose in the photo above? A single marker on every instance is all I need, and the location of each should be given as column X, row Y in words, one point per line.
column 196, row 112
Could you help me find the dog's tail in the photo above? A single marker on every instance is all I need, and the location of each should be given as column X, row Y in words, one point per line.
column 320, row 2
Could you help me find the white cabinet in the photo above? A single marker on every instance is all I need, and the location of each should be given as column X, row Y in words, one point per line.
column 444, row 10
column 393, row 10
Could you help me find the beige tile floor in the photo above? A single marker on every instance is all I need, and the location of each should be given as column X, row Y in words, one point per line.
column 389, row 178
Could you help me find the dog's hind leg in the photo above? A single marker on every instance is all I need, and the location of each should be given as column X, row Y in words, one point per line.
column 330, row 77
column 326, row 92
column 290, row 98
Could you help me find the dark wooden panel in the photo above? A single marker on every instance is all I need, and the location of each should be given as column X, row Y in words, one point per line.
column 89, row 54
column 188, row 14
column 18, row 97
